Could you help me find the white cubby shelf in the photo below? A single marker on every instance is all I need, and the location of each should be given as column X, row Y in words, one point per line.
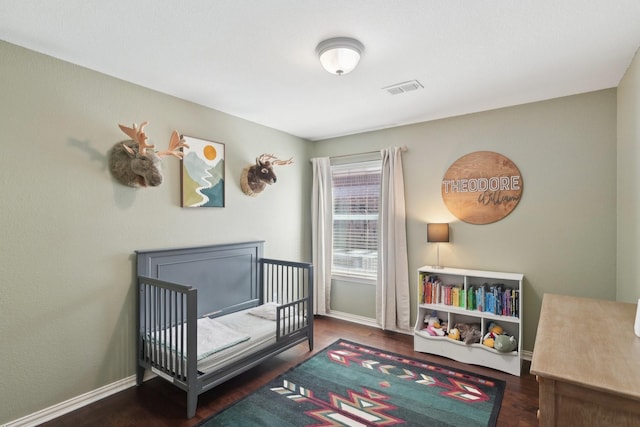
column 449, row 298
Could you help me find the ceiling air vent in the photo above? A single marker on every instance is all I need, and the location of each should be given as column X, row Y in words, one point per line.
column 403, row 87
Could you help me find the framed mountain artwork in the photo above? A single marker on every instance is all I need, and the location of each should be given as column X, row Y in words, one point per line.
column 202, row 176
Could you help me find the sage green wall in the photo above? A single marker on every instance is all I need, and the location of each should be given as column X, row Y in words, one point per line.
column 629, row 184
column 68, row 230
column 562, row 234
column 354, row 297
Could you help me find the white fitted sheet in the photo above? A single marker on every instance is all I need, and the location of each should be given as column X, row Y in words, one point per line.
column 262, row 333
column 213, row 336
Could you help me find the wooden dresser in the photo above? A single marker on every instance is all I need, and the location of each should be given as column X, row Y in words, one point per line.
column 587, row 362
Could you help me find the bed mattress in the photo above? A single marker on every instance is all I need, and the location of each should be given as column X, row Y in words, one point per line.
column 254, row 333
column 261, row 332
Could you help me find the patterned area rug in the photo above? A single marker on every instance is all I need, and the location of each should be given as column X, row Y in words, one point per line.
column 349, row 384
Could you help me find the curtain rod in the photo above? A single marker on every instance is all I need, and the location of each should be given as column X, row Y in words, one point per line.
column 403, row 149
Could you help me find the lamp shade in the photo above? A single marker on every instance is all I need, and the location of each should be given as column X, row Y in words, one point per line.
column 437, row 232
column 339, row 55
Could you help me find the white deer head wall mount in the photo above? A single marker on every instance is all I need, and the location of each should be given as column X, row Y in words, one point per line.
column 135, row 163
column 254, row 178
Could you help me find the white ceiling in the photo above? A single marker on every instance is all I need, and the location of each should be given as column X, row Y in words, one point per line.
column 256, row 59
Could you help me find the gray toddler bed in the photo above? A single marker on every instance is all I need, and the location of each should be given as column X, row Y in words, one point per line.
column 207, row 314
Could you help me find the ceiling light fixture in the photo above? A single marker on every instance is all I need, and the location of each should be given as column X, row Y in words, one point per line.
column 340, row 55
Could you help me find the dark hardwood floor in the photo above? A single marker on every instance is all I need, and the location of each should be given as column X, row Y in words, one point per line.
column 158, row 403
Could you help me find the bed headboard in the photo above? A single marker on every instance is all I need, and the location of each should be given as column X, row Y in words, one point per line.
column 226, row 275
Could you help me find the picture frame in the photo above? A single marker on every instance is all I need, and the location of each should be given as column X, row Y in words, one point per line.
column 202, row 177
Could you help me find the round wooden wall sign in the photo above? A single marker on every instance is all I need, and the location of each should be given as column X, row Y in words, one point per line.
column 482, row 187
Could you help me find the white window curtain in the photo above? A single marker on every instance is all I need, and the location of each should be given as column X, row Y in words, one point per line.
column 392, row 292
column 321, row 234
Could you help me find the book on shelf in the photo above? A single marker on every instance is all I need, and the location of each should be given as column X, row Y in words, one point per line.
column 493, row 298
column 496, row 299
column 433, row 291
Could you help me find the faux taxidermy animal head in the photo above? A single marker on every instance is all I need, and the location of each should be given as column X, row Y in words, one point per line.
column 135, row 163
column 255, row 177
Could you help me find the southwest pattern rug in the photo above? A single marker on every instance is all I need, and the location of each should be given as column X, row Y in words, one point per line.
column 349, row 384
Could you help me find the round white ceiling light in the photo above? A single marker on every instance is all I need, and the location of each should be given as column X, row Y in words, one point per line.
column 340, row 55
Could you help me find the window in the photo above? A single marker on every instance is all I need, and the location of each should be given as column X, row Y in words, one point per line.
column 356, row 200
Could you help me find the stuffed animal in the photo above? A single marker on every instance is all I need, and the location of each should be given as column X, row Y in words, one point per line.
column 493, row 331
column 433, row 325
column 505, row 343
column 255, row 178
column 469, row 332
column 454, row 334
column 495, row 328
column 489, row 340
column 136, row 163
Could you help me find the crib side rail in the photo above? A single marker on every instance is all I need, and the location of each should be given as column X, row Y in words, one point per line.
column 167, row 331
column 290, row 285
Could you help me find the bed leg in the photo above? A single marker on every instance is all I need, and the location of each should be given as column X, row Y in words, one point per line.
column 192, row 404
column 139, row 375
column 310, row 343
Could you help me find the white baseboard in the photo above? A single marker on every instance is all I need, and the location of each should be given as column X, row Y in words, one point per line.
column 77, row 402
column 361, row 320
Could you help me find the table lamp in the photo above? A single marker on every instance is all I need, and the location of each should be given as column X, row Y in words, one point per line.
column 438, row 233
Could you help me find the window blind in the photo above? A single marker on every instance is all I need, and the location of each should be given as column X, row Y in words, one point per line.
column 356, row 201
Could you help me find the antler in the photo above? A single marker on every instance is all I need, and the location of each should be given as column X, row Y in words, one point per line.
column 283, row 162
column 274, row 160
column 137, row 134
column 175, row 144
